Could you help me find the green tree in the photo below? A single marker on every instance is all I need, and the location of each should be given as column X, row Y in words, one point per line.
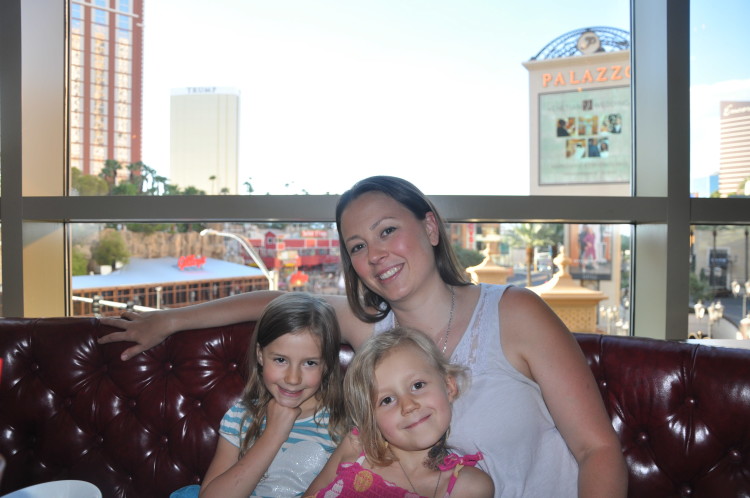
column 110, row 249
column 699, row 289
column 467, row 257
column 148, row 228
column 109, row 172
column 248, row 186
column 158, row 185
column 125, row 188
column 79, row 262
column 190, row 190
column 531, row 235
column 87, row 185
column 136, row 175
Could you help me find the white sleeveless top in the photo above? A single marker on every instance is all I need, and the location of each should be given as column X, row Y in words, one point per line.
column 502, row 413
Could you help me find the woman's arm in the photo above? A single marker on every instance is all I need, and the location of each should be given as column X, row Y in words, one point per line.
column 539, row 345
column 347, row 451
column 475, row 483
column 228, row 477
column 148, row 329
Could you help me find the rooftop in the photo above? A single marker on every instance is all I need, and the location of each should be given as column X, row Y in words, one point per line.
column 140, row 271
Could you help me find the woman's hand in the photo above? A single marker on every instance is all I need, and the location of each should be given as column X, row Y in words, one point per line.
column 149, row 329
column 146, row 330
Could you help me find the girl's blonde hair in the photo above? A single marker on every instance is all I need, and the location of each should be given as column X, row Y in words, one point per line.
column 360, row 390
column 293, row 313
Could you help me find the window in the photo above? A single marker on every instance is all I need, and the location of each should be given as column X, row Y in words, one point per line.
column 661, row 211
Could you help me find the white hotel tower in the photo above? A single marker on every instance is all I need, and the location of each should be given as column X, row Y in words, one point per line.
column 204, row 131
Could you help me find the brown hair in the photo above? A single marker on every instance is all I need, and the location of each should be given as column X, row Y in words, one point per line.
column 292, row 313
column 360, row 297
column 360, row 389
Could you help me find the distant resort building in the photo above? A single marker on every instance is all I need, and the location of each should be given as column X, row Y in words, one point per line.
column 164, row 283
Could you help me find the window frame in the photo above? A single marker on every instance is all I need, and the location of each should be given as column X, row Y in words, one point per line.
column 35, row 208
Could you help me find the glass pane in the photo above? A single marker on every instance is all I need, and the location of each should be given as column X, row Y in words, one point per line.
column 719, row 98
column 719, row 282
column 171, row 265
column 306, row 98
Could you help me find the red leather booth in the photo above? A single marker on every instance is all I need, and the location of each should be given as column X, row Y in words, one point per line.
column 70, row 409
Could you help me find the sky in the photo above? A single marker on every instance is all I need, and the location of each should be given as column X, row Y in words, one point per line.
column 434, row 91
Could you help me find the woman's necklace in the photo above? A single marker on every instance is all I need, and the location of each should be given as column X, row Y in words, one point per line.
column 450, row 320
column 437, row 484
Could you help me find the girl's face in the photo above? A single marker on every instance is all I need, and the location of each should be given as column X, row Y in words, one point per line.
column 293, row 370
column 413, row 401
column 391, row 250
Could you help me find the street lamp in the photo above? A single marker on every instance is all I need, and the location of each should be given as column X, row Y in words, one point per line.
column 700, row 310
column 715, row 312
column 737, row 290
column 253, row 254
column 612, row 315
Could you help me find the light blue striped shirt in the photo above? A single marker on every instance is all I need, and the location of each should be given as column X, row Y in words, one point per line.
column 300, row 459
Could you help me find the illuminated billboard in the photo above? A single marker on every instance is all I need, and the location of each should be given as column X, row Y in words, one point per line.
column 584, row 137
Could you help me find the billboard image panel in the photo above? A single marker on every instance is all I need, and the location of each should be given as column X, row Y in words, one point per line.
column 584, row 137
column 590, row 250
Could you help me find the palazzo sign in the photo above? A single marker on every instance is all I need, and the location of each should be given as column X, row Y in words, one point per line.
column 585, row 136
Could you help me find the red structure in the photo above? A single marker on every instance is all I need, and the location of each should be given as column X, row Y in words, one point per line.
column 314, row 251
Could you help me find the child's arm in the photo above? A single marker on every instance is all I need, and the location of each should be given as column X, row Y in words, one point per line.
column 473, row 482
column 228, row 477
column 347, row 451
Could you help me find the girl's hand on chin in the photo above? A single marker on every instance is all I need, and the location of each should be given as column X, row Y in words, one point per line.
column 280, row 419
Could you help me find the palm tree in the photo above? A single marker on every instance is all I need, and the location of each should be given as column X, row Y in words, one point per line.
column 136, row 175
column 531, row 235
column 109, row 172
column 159, row 185
column 248, row 186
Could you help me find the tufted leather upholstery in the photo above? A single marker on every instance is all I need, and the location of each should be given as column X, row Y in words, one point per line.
column 70, row 409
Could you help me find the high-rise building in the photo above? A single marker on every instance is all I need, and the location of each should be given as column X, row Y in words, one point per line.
column 734, row 157
column 204, row 143
column 106, row 83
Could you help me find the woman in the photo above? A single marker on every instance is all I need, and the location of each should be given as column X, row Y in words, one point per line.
column 533, row 407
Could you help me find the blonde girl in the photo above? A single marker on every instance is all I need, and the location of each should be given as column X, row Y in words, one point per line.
column 399, row 390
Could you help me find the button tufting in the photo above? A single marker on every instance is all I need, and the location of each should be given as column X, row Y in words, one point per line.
column 131, row 403
column 99, row 439
column 197, row 403
column 690, row 401
column 735, row 456
column 603, row 384
column 67, row 403
column 686, row 491
column 232, row 366
column 169, row 366
column 642, row 437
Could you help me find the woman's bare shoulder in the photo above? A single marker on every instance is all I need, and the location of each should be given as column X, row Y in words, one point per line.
column 353, row 330
column 474, row 482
